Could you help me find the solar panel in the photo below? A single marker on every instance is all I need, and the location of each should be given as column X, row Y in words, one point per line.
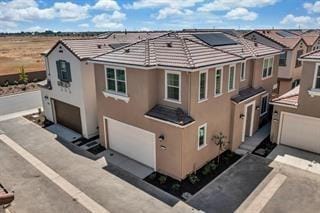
column 215, row 39
column 285, row 33
column 118, row 45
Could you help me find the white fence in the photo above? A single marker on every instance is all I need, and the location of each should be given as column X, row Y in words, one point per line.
column 20, row 102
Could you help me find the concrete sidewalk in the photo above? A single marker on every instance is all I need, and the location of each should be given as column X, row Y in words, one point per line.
column 110, row 191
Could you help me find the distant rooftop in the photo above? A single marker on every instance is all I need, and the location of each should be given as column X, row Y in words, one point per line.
column 290, row 98
column 314, row 55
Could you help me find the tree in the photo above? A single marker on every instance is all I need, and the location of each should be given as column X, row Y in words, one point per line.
column 220, row 140
column 23, row 76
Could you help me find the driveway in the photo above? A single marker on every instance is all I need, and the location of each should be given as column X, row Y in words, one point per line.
column 112, row 188
column 227, row 192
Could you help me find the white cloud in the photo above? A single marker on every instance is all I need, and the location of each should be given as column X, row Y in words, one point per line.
column 71, row 12
column 106, row 5
column 312, row 7
column 35, row 29
column 84, row 25
column 297, row 21
column 139, row 4
column 109, row 21
column 221, row 5
column 168, row 11
column 241, row 14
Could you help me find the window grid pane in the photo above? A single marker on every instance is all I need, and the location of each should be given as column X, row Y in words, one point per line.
column 173, row 93
column 218, row 82
column 231, row 78
column 173, row 79
column 242, row 71
column 201, row 136
column 173, row 86
column 203, row 85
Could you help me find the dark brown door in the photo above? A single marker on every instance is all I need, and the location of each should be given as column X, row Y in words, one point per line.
column 68, row 115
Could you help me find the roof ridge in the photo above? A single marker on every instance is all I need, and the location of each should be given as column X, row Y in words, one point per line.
column 187, row 52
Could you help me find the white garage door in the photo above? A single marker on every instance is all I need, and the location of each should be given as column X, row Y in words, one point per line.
column 299, row 131
column 133, row 142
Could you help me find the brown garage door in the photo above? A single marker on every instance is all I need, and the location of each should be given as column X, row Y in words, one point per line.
column 68, row 116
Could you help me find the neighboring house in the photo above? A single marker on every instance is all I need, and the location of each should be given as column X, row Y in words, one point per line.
column 69, row 94
column 160, row 101
column 292, row 46
column 296, row 114
column 312, row 40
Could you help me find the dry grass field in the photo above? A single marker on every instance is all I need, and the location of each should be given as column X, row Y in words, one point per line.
column 23, row 51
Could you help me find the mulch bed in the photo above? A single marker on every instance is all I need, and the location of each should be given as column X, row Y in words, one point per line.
column 203, row 176
column 264, row 148
column 16, row 89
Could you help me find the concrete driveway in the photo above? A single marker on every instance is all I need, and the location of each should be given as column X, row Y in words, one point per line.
column 227, row 192
column 96, row 179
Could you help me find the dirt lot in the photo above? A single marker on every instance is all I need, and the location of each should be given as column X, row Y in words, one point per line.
column 23, row 51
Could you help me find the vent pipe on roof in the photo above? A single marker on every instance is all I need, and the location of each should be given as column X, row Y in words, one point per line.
column 127, row 50
column 255, row 44
column 169, row 44
column 99, row 46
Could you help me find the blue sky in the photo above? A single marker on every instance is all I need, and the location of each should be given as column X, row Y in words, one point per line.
column 102, row 15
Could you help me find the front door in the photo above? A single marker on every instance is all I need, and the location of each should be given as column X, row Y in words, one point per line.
column 248, row 120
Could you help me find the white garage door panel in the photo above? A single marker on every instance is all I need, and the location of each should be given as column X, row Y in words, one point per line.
column 301, row 131
column 131, row 141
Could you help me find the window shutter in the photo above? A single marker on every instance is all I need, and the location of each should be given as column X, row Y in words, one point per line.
column 68, row 72
column 59, row 69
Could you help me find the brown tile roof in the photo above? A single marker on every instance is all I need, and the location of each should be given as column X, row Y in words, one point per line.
column 311, row 37
column 183, row 50
column 87, row 48
column 314, row 55
column 288, row 42
column 290, row 98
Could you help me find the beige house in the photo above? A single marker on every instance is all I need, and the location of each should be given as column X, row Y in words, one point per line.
column 296, row 114
column 293, row 45
column 160, row 101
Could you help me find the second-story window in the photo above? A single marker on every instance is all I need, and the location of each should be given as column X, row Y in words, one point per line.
column 316, row 84
column 243, row 71
column 267, row 68
column 202, row 85
column 231, row 82
column 116, row 81
column 218, row 82
column 283, row 59
column 64, row 72
column 299, row 53
column 173, row 84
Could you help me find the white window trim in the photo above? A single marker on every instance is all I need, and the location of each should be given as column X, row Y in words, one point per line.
column 314, row 91
column 115, row 93
column 205, row 136
column 206, row 87
column 245, row 71
column 234, row 79
column 268, row 76
column 263, row 96
column 166, row 87
column 215, row 82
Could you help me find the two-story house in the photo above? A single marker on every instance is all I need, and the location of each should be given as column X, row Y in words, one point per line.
column 296, row 114
column 160, row 101
column 292, row 46
column 69, row 94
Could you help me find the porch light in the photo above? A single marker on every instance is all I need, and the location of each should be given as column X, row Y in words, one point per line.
column 257, row 107
column 163, row 147
column 276, row 112
column 242, row 116
column 161, row 137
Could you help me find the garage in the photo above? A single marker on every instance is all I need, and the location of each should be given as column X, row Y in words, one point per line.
column 300, row 132
column 68, row 115
column 136, row 143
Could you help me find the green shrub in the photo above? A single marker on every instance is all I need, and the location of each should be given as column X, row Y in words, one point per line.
column 6, row 83
column 206, row 170
column 152, row 176
column 193, row 178
column 213, row 165
column 175, row 187
column 23, row 76
column 16, row 82
column 162, row 179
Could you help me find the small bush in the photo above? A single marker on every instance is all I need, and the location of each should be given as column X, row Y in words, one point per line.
column 152, row 176
column 35, row 80
column 6, row 83
column 175, row 187
column 206, row 170
column 16, row 82
column 193, row 178
column 213, row 165
column 162, row 179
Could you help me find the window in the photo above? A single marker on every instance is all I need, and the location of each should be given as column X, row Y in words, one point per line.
column 202, row 85
column 267, row 68
column 63, row 69
column 173, row 83
column 316, row 84
column 202, row 134
column 283, row 59
column 243, row 71
column 116, row 81
column 295, row 83
column 299, row 53
column 264, row 105
column 218, row 82
column 231, row 82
